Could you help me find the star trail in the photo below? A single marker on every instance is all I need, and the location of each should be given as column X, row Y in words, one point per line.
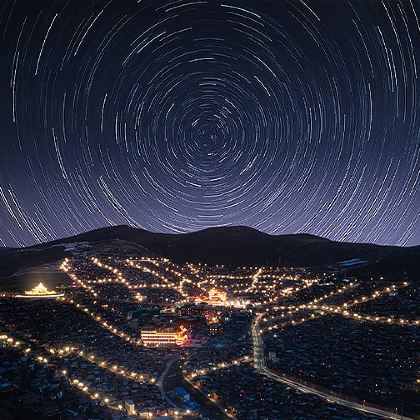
column 174, row 116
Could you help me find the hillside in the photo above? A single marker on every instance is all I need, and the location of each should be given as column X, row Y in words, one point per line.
column 233, row 246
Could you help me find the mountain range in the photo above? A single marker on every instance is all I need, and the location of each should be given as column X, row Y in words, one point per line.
column 232, row 246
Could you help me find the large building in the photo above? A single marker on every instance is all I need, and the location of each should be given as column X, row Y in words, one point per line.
column 164, row 336
column 217, row 296
column 212, row 297
column 215, row 329
column 192, row 309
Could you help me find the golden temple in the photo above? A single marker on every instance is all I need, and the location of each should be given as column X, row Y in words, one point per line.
column 40, row 291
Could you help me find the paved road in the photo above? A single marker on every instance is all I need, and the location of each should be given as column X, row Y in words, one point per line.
column 210, row 408
column 159, row 382
column 259, row 364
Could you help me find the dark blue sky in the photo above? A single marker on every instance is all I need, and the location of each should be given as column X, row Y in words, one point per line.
column 180, row 115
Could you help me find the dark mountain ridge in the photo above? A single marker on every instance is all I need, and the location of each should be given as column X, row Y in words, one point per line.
column 232, row 246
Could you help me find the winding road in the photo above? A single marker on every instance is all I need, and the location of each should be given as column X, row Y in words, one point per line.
column 159, row 382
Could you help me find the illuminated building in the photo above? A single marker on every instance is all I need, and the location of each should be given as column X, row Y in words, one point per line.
column 217, row 296
column 40, row 292
column 193, row 310
column 162, row 337
column 215, row 329
column 130, row 407
column 191, row 323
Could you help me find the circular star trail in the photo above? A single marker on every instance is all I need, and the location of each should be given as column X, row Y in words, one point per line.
column 179, row 115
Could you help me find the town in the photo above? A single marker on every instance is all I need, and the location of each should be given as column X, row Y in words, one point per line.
column 147, row 338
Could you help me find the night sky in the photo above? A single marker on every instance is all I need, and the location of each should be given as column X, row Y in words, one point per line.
column 174, row 116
